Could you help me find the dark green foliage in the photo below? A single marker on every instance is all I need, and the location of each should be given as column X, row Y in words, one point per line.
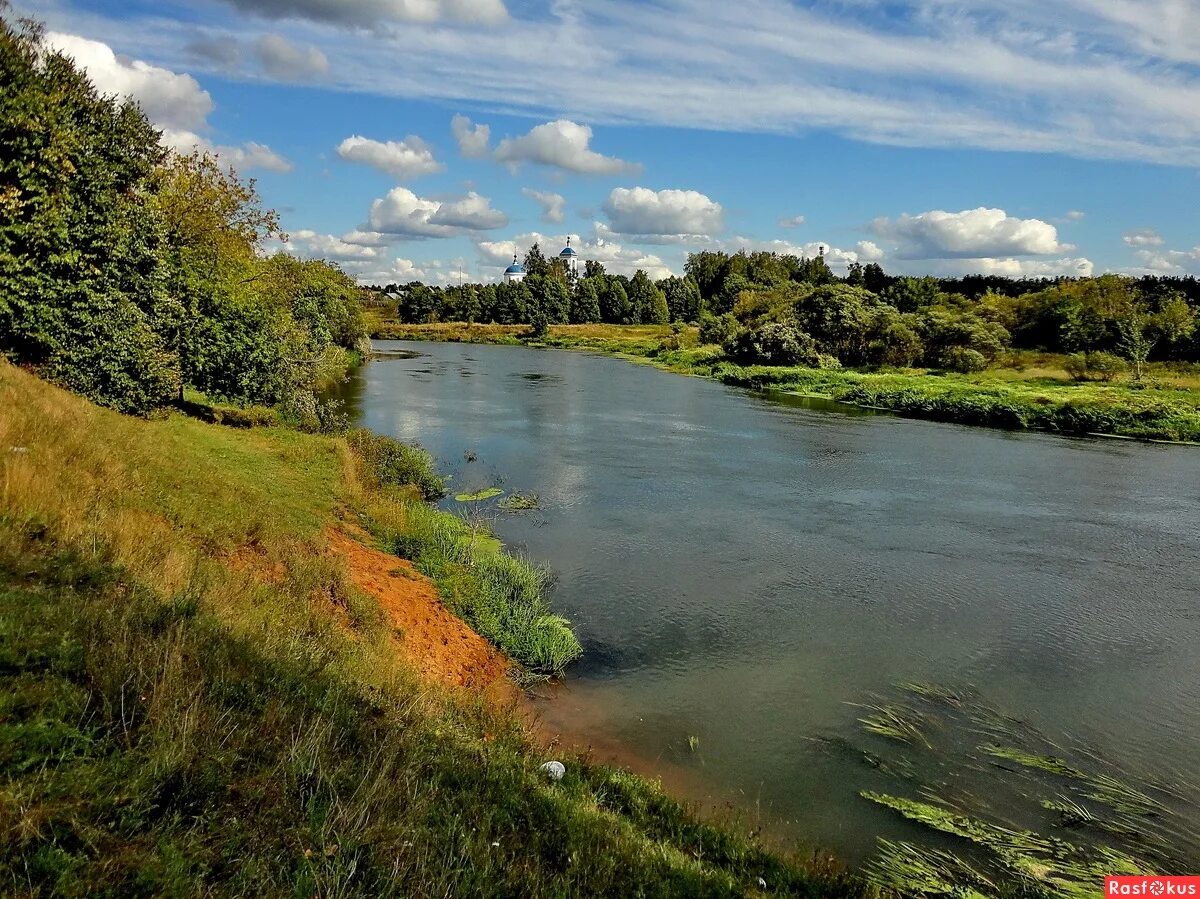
column 81, row 279
column 774, row 343
column 683, row 299
column 585, row 301
column 127, row 273
column 718, row 330
column 392, row 463
column 615, row 307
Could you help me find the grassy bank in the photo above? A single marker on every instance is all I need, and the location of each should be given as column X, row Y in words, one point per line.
column 194, row 700
column 1024, row 391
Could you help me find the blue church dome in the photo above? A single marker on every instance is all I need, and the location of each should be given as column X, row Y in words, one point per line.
column 515, row 269
column 568, row 251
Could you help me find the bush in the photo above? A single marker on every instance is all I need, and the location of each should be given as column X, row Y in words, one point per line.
column 1094, row 366
column 774, row 343
column 394, row 464
column 963, row 360
column 718, row 329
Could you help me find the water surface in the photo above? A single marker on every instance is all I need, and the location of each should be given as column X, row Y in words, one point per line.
column 742, row 566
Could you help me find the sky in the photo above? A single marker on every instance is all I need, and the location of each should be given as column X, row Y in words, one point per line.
column 433, row 139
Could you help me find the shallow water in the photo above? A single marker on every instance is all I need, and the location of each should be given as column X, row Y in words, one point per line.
column 741, row 566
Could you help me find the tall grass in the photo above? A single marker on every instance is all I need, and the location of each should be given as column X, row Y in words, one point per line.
column 194, row 702
column 500, row 596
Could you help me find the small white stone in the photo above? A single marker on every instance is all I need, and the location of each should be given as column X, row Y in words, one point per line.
column 554, row 770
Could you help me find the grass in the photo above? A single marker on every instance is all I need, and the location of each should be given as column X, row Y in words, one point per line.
column 1025, row 391
column 194, row 701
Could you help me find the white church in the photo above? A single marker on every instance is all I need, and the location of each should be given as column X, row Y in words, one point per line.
column 570, row 259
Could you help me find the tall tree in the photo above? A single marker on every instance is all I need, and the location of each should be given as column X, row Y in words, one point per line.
column 585, row 302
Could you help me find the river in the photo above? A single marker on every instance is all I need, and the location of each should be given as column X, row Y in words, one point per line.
column 746, row 571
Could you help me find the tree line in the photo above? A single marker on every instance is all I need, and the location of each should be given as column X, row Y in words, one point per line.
column 774, row 308
column 129, row 273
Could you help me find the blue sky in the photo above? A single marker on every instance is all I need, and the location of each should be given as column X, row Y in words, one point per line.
column 997, row 136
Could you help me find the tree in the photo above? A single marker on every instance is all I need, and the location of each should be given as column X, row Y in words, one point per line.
column 1135, row 344
column 647, row 301
column 585, row 302
column 683, row 298
column 708, row 270
column 535, row 262
column 82, row 283
column 615, row 307
column 593, row 269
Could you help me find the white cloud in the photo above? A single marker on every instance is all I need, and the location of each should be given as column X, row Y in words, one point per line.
column 409, row 158
column 1077, row 267
column 169, row 99
column 313, row 245
column 1144, row 237
column 404, row 214
column 1075, row 216
column 365, row 13
column 282, row 59
column 649, row 214
column 553, row 205
column 1116, row 79
column 560, row 144
column 472, row 141
column 970, row 234
column 794, row 221
column 173, row 102
column 1169, row 262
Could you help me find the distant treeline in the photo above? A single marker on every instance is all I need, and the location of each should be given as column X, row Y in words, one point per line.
column 128, row 273
column 865, row 318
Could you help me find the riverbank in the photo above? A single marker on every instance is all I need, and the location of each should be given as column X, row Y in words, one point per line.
column 210, row 681
column 1031, row 392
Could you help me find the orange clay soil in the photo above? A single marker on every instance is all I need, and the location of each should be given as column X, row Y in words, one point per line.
column 440, row 644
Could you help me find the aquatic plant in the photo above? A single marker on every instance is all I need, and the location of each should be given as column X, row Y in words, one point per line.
column 478, row 496
column 519, row 502
column 896, row 722
column 1031, row 760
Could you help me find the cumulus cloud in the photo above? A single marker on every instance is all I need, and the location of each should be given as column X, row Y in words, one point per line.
column 403, row 214
column 368, row 13
column 282, row 59
column 174, row 102
column 794, row 221
column 652, row 215
column 560, row 144
column 409, row 158
column 553, row 205
column 169, row 99
column 970, row 234
column 1073, row 267
column 472, row 140
column 1169, row 262
column 314, row 245
column 1144, row 237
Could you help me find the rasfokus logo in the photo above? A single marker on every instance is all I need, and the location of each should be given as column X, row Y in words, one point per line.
column 1151, row 886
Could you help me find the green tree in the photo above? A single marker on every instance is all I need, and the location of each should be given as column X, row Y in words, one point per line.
column 536, row 263
column 683, row 298
column 649, row 304
column 585, row 302
column 615, row 307
column 82, row 284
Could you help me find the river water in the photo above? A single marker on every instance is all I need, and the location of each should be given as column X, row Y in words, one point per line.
column 746, row 570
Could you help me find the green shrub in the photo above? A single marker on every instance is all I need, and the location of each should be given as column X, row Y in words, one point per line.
column 962, row 359
column 718, row 329
column 773, row 343
column 1094, row 366
column 392, row 463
